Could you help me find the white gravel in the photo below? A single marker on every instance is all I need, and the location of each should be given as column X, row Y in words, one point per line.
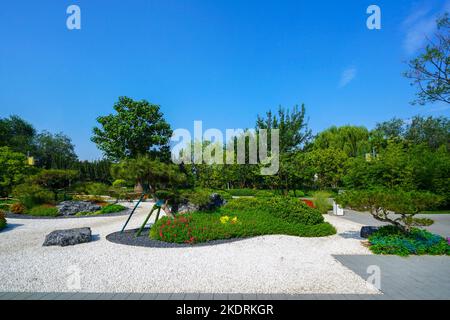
column 267, row 264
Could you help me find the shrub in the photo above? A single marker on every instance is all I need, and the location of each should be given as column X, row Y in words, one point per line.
column 43, row 211
column 243, row 192
column 2, row 220
column 18, row 208
column 393, row 240
column 321, row 201
column 226, row 224
column 111, row 208
column 265, row 193
column 289, row 209
column 31, row 195
column 296, row 193
column 97, row 189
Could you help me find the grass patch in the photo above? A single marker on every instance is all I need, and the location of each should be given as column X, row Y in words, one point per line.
column 242, row 218
column 391, row 240
column 110, row 208
column 43, row 211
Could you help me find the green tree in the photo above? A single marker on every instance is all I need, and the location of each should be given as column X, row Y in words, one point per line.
column 430, row 71
column 353, row 140
column 384, row 203
column 137, row 128
column 55, row 180
column 328, row 166
column 54, row 151
column 152, row 174
column 17, row 134
column 292, row 124
column 13, row 169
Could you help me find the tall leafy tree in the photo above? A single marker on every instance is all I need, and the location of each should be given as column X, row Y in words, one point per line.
column 17, row 134
column 430, row 71
column 54, row 151
column 13, row 169
column 352, row 140
column 137, row 128
column 293, row 126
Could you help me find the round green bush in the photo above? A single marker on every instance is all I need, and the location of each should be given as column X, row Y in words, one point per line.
column 31, row 195
column 112, row 208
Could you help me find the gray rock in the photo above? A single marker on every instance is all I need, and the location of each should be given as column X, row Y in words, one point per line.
column 366, row 232
column 70, row 208
column 187, row 208
column 68, row 237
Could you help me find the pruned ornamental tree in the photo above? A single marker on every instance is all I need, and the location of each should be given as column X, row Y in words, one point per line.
column 396, row 207
column 430, row 71
column 137, row 128
column 148, row 172
column 55, row 180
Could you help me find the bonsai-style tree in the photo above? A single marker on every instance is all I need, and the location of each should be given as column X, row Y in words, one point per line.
column 151, row 173
column 384, row 203
column 138, row 128
column 55, row 180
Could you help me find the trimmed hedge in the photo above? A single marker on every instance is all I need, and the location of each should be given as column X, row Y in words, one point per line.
column 391, row 240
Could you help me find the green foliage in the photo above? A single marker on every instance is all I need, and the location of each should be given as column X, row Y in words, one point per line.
column 243, row 192
column 382, row 203
column 55, row 180
column 430, row 71
column 392, row 240
column 98, row 171
column 31, row 195
column 112, row 208
column 291, row 210
column 54, row 151
column 351, row 140
column 17, row 208
column 2, row 220
column 17, row 134
column 137, row 128
column 13, row 169
column 97, row 189
column 43, row 211
column 292, row 124
column 321, row 201
column 200, row 227
column 149, row 172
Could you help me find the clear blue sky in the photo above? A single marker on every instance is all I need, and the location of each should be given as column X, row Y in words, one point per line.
column 220, row 61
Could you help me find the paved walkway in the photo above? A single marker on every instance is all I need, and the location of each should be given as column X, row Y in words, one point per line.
column 414, row 277
column 183, row 296
column 441, row 224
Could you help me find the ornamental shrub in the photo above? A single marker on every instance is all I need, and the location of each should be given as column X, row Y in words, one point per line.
column 18, row 208
column 112, row 208
column 31, row 195
column 321, row 201
column 392, row 240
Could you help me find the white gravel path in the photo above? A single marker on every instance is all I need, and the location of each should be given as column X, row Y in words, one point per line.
column 267, row 264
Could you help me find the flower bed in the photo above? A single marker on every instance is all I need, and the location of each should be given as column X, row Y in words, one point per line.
column 242, row 218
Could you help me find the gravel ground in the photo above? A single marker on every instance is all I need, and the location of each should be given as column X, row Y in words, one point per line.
column 267, row 264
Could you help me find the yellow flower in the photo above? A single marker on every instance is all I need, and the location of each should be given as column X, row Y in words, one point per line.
column 234, row 220
column 224, row 219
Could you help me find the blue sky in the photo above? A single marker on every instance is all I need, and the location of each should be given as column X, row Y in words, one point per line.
column 219, row 61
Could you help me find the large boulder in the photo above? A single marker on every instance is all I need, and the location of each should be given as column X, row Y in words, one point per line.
column 68, row 237
column 70, row 208
column 366, row 232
